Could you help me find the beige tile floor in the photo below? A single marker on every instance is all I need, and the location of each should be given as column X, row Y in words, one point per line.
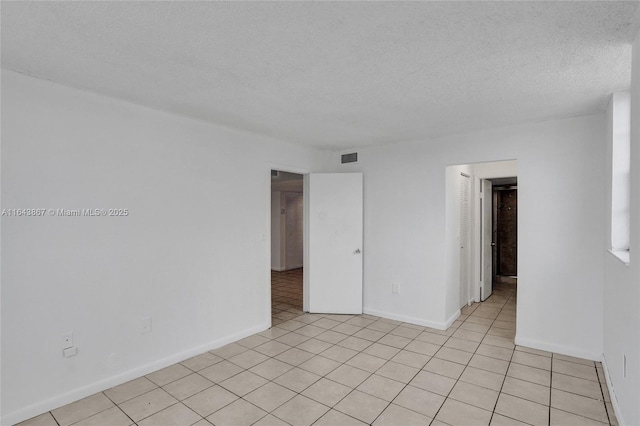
column 335, row 370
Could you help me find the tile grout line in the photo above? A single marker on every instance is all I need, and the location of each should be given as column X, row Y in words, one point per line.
column 373, row 373
column 466, row 365
column 118, row 405
column 473, row 354
column 493, row 412
column 606, row 409
column 248, row 348
column 390, row 332
column 370, row 321
column 550, row 386
column 321, row 377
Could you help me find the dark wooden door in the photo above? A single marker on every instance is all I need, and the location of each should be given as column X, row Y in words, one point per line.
column 507, row 232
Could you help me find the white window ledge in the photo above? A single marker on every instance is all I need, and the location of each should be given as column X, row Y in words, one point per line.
column 622, row 255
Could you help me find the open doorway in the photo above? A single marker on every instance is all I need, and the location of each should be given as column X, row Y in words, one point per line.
column 316, row 217
column 505, row 232
column 476, row 228
column 287, row 245
column 498, row 235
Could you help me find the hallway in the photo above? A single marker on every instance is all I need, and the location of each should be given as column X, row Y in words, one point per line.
column 286, row 295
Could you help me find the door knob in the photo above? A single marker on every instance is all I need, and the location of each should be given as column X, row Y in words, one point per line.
column 357, row 251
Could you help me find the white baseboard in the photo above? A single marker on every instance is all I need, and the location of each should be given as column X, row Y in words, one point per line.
column 288, row 268
column 559, row 349
column 452, row 319
column 612, row 393
column 109, row 382
column 285, row 268
column 412, row 320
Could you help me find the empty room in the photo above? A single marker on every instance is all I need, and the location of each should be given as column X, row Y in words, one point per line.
column 320, row 213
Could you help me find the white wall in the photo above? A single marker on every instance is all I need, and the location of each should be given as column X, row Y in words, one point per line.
column 277, row 223
column 561, row 176
column 286, row 251
column 622, row 282
column 192, row 254
column 453, row 209
column 189, row 258
column 495, row 169
column 293, row 230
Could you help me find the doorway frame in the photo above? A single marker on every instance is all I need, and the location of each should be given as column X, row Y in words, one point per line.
column 304, row 172
column 478, row 170
column 496, row 226
column 478, row 176
column 466, row 244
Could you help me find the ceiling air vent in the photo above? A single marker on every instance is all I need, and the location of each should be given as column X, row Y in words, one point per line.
column 350, row 158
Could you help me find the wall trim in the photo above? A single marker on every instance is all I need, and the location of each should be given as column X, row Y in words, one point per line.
column 412, row 320
column 559, row 349
column 285, row 268
column 612, row 393
column 452, row 319
column 120, row 378
column 289, row 268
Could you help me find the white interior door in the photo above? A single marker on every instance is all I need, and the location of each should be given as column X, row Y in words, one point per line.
column 335, row 243
column 465, row 239
column 486, row 232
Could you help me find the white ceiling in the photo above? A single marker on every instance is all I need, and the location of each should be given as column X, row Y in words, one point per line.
column 334, row 75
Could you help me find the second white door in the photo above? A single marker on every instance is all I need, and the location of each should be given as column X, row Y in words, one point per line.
column 486, row 236
column 335, row 243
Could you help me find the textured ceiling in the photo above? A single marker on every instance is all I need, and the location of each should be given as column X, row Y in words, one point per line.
column 330, row 74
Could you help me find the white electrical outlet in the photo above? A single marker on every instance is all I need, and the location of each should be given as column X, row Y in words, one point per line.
column 395, row 288
column 67, row 340
column 145, row 325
